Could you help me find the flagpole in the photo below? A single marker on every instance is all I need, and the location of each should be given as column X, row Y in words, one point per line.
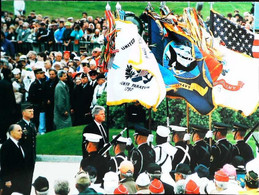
column 210, row 122
column 211, row 5
column 167, row 113
column 187, row 116
column 126, row 119
column 189, row 4
column 107, row 122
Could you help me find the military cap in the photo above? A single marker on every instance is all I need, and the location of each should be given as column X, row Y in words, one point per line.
column 120, row 140
column 239, row 127
column 182, row 168
column 198, row 128
column 178, row 128
column 83, row 75
column 38, row 70
column 220, row 126
column 100, row 76
column 140, row 130
column 91, row 137
column 154, row 168
column 26, row 105
column 41, row 184
column 93, row 72
column 162, row 131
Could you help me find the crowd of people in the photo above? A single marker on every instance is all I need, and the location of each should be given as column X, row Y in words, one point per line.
column 48, row 83
column 41, row 34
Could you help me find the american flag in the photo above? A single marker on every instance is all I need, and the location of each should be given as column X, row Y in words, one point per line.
column 234, row 36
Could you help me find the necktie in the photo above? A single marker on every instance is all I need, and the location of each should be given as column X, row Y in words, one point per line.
column 103, row 133
column 21, row 149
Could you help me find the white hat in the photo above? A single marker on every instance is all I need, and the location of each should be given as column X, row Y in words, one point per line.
column 76, row 58
column 111, row 182
column 178, row 128
column 23, row 57
column 121, row 139
column 70, row 18
column 91, row 137
column 84, row 61
column 163, row 131
column 143, row 180
column 16, row 71
column 111, row 177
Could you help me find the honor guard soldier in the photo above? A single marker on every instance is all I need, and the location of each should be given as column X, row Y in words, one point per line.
column 119, row 148
column 93, row 158
column 182, row 154
column 200, row 153
column 143, row 154
column 164, row 150
column 221, row 151
column 241, row 148
column 28, row 140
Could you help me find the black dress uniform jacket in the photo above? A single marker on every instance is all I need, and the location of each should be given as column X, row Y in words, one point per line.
column 37, row 98
column 200, row 154
column 28, row 143
column 221, row 153
column 93, row 128
column 182, row 154
column 14, row 168
column 81, row 102
column 141, row 157
column 114, row 162
column 244, row 150
column 99, row 162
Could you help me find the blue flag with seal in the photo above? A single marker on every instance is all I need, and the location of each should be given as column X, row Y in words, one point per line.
column 185, row 63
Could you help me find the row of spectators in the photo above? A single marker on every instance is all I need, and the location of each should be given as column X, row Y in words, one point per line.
column 39, row 33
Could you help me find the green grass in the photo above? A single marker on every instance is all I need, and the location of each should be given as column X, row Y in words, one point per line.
column 56, row 9
column 68, row 141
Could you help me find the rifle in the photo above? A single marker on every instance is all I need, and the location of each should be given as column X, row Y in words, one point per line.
column 256, row 142
column 247, row 137
column 109, row 145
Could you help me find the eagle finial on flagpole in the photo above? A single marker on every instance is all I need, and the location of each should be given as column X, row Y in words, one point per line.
column 108, row 7
column 118, row 6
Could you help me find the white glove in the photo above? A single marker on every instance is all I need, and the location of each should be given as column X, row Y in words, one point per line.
column 129, row 142
column 150, row 138
column 209, row 134
column 187, row 137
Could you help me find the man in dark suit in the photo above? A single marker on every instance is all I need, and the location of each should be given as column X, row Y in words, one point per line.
column 28, row 140
column 49, row 101
column 241, row 148
column 96, row 127
column 200, row 152
column 81, row 101
column 222, row 150
column 13, row 163
column 7, row 104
